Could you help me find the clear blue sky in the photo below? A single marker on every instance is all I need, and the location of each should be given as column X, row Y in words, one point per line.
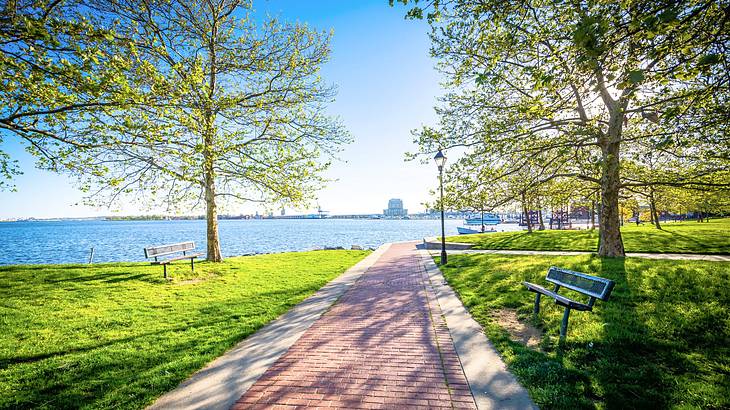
column 387, row 86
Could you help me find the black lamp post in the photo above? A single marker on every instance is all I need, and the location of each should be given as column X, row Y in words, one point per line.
column 440, row 160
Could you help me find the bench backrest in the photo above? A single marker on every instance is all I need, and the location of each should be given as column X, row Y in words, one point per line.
column 592, row 286
column 154, row 251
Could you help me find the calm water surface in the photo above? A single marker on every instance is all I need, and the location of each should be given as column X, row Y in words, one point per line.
column 115, row 241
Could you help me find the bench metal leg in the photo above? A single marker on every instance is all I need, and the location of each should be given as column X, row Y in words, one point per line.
column 192, row 264
column 536, row 310
column 164, row 267
column 564, row 324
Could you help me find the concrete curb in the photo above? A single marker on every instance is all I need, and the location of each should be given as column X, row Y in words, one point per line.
column 491, row 384
column 434, row 243
column 219, row 384
column 669, row 256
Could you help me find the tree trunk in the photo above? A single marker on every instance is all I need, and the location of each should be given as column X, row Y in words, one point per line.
column 622, row 215
column 610, row 242
column 526, row 213
column 593, row 214
column 568, row 217
column 211, row 217
column 652, row 209
column 651, row 215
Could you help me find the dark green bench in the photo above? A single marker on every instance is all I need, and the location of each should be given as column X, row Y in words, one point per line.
column 591, row 286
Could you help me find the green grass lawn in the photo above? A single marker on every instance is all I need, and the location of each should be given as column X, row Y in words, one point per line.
column 661, row 341
column 675, row 237
column 119, row 335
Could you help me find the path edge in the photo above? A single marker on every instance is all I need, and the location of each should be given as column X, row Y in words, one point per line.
column 526, row 252
column 224, row 380
column 491, row 384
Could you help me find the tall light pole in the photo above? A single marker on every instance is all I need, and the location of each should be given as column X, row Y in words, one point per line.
column 440, row 160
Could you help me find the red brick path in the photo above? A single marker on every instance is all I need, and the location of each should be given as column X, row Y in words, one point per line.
column 384, row 344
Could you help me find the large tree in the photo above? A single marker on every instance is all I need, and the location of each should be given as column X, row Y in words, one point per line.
column 220, row 106
column 583, row 81
column 242, row 116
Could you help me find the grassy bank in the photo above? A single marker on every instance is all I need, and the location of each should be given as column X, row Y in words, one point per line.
column 675, row 237
column 118, row 335
column 661, row 341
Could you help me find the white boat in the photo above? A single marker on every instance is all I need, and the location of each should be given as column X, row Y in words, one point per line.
column 463, row 230
column 466, row 231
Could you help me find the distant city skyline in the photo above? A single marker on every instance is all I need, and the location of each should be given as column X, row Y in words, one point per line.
column 387, row 87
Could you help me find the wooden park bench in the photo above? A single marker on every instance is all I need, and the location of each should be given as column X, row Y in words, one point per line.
column 175, row 248
column 592, row 286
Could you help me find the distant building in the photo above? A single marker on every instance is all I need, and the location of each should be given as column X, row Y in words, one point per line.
column 395, row 209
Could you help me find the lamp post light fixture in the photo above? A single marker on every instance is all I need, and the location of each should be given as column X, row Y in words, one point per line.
column 440, row 160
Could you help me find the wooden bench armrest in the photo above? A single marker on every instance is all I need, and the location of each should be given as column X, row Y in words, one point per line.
column 559, row 299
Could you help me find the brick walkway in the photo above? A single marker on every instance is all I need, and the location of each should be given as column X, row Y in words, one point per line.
column 384, row 344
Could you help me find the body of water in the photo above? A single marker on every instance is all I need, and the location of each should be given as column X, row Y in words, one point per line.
column 116, row 241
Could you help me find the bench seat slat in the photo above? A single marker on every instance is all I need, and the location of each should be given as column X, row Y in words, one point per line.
column 177, row 258
column 559, row 299
column 162, row 250
column 580, row 282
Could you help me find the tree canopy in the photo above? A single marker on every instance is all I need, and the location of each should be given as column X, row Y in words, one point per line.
column 574, row 87
column 58, row 63
column 206, row 103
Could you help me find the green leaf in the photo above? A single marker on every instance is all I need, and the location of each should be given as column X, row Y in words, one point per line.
column 709, row 59
column 636, row 76
column 669, row 15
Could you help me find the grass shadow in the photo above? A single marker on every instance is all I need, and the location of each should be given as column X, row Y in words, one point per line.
column 110, row 277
